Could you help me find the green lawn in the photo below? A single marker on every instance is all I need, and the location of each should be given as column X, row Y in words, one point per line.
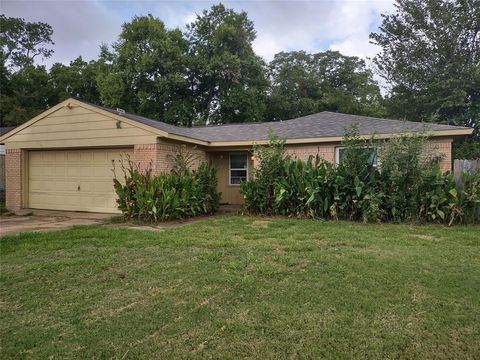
column 231, row 287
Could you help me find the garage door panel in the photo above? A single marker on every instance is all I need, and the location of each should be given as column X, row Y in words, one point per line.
column 60, row 171
column 35, row 156
column 36, row 171
column 78, row 180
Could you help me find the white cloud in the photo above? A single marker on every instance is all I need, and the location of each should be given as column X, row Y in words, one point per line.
column 81, row 26
column 358, row 20
column 78, row 27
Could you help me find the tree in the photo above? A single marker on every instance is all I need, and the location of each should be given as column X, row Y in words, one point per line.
column 226, row 78
column 303, row 83
column 76, row 80
column 21, row 42
column 25, row 94
column 147, row 74
column 24, row 87
column 430, row 57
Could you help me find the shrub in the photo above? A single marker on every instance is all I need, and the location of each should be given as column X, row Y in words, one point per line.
column 308, row 195
column 407, row 185
column 181, row 194
column 355, row 177
column 467, row 150
column 260, row 194
column 407, row 164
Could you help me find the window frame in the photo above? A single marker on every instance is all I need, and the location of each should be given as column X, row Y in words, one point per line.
column 337, row 154
column 230, row 168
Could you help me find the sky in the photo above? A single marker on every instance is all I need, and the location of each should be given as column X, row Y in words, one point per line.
column 81, row 26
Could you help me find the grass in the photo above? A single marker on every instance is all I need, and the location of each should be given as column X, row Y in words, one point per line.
column 231, row 287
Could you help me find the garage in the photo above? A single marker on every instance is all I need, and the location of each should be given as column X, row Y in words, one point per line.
column 76, row 180
column 63, row 159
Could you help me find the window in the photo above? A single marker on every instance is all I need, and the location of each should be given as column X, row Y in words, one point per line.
column 238, row 168
column 372, row 158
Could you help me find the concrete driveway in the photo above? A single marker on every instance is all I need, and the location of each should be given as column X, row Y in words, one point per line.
column 47, row 220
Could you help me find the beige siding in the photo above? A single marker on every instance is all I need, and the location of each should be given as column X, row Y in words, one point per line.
column 78, row 127
column 230, row 193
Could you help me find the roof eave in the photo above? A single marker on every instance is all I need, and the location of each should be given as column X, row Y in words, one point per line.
column 187, row 139
column 327, row 139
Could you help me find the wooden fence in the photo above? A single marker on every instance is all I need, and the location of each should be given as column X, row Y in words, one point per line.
column 468, row 166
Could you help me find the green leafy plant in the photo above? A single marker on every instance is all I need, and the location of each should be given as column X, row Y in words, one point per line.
column 180, row 194
column 406, row 185
column 467, row 150
column 260, row 193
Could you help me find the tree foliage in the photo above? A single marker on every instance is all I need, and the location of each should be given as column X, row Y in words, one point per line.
column 226, row 77
column 430, row 56
column 21, row 41
column 147, row 74
column 24, row 94
column 79, row 80
column 24, row 87
column 209, row 74
column 303, row 83
column 467, row 150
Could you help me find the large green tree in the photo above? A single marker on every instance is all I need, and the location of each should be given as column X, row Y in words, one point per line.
column 24, row 87
column 79, row 79
column 25, row 94
column 226, row 77
column 21, row 42
column 430, row 57
column 147, row 72
column 303, row 83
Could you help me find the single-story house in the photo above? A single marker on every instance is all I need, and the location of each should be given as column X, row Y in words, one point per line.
column 63, row 158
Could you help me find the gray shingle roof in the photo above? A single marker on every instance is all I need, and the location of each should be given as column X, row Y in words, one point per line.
column 6, row 129
column 323, row 124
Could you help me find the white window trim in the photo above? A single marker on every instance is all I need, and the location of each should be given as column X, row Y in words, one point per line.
column 230, row 167
column 337, row 154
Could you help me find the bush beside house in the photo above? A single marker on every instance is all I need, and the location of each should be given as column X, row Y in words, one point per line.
column 467, row 150
column 407, row 185
column 180, row 194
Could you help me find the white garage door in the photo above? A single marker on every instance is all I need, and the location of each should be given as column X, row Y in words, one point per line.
column 76, row 180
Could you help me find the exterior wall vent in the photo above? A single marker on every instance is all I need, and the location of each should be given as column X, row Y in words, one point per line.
column 120, row 111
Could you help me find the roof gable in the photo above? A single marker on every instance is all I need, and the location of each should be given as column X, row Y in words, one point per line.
column 73, row 123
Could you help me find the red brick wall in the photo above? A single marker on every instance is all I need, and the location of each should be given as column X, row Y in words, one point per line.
column 327, row 152
column 302, row 152
column 158, row 156
column 164, row 161
column 144, row 156
column 444, row 148
column 166, row 151
column 13, row 179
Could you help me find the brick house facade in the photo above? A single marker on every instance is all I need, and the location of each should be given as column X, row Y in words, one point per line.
column 87, row 139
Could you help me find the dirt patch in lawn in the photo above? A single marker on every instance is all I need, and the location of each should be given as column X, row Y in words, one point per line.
column 261, row 223
column 425, row 237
